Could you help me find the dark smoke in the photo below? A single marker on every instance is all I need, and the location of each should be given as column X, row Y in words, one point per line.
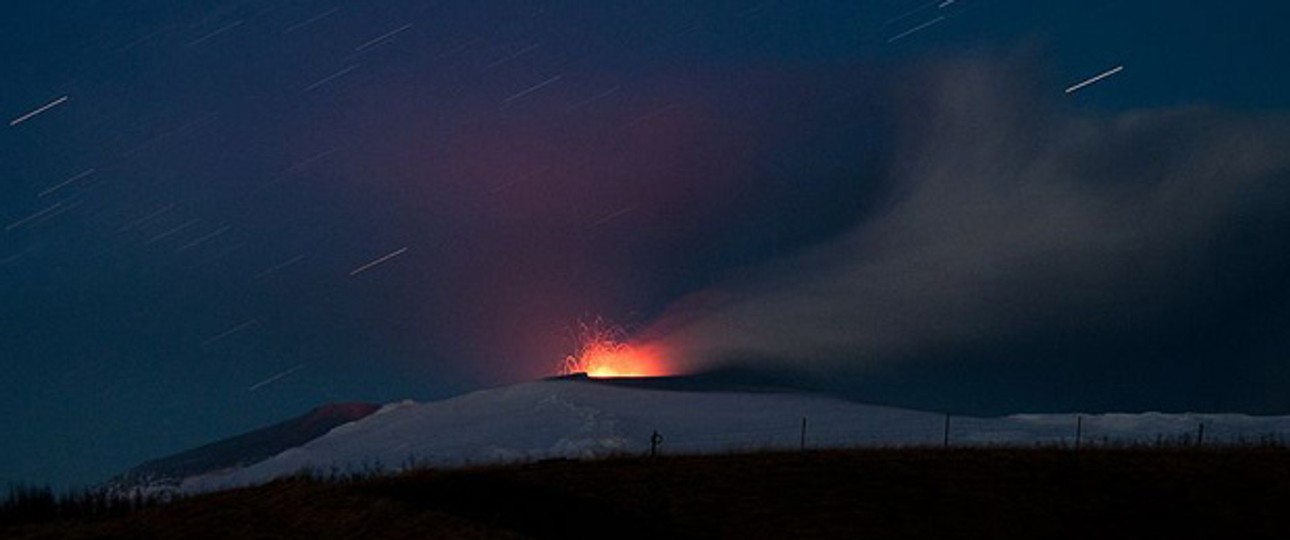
column 1016, row 219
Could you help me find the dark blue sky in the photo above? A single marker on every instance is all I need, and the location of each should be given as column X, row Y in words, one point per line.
column 195, row 212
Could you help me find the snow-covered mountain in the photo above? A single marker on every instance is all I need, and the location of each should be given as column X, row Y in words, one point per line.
column 584, row 418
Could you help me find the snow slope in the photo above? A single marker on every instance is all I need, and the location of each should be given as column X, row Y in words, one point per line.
column 569, row 418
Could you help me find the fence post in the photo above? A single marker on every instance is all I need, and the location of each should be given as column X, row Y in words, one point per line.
column 945, row 442
column 1079, row 429
column 803, row 439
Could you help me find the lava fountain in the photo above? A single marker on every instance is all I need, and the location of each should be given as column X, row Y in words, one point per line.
column 604, row 351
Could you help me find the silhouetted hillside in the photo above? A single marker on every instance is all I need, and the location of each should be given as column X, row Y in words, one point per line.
column 929, row 493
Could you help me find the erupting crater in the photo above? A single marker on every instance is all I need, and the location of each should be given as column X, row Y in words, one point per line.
column 603, row 351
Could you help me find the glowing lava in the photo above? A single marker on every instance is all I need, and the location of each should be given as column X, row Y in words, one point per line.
column 604, row 352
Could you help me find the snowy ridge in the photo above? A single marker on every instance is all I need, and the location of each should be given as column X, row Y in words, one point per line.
column 556, row 418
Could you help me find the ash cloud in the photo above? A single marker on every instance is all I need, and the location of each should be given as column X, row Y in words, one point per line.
column 1014, row 218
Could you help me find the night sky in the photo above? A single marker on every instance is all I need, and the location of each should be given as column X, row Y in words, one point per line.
column 219, row 214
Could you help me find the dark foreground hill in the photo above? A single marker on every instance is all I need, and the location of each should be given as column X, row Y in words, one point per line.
column 930, row 493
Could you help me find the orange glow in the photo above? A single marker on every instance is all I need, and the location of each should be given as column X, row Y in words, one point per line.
column 603, row 352
column 609, row 359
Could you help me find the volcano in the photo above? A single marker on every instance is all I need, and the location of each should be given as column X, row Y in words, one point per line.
column 582, row 418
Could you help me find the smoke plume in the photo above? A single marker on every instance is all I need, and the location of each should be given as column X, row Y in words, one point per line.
column 1013, row 216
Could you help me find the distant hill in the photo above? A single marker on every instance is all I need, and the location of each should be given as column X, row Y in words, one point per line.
column 244, row 449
